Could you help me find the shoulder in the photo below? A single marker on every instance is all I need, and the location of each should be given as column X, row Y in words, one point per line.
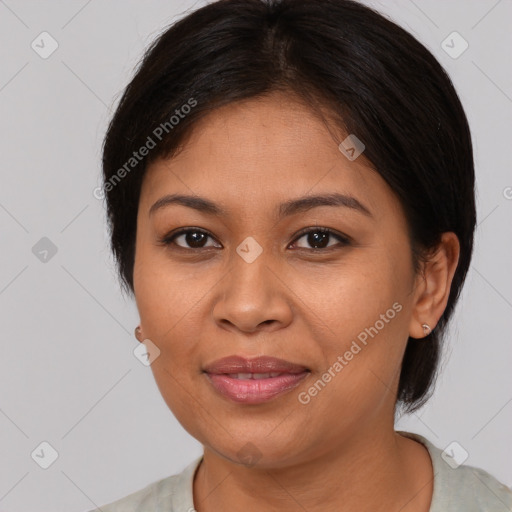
column 476, row 489
column 171, row 493
column 463, row 487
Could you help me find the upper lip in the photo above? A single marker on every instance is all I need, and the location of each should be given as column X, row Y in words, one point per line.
column 262, row 364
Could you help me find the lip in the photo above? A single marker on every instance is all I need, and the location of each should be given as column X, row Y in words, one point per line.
column 262, row 364
column 254, row 391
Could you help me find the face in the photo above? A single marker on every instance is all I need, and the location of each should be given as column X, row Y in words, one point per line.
column 329, row 287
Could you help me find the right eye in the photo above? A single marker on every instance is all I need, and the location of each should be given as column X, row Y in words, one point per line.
column 194, row 237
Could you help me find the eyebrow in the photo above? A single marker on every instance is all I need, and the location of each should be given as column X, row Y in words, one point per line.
column 286, row 209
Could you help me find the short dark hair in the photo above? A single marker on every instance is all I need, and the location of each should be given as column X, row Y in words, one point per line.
column 376, row 80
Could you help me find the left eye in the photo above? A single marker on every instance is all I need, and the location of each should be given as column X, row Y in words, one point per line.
column 319, row 238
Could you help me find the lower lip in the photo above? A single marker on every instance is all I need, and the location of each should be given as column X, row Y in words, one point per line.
column 254, row 391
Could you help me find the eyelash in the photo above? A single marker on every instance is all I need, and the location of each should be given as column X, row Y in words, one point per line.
column 168, row 240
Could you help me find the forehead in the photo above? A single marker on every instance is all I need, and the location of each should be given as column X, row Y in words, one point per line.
column 262, row 151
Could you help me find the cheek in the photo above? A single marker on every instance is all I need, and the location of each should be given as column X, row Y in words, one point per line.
column 169, row 303
column 352, row 295
column 167, row 293
column 358, row 312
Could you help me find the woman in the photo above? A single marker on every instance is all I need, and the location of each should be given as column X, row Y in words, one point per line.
column 290, row 191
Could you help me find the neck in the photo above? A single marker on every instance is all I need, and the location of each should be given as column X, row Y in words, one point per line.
column 378, row 471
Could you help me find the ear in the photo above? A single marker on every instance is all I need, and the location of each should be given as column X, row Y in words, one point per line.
column 433, row 285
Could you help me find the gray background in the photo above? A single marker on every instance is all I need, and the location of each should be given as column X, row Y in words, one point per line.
column 68, row 375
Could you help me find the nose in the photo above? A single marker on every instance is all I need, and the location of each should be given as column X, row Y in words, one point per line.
column 252, row 297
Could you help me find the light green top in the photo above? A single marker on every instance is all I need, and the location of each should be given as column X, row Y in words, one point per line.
column 456, row 489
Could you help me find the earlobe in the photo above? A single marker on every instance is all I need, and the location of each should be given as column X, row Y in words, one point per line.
column 434, row 287
column 138, row 333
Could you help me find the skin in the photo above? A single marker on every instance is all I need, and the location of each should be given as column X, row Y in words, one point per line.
column 339, row 451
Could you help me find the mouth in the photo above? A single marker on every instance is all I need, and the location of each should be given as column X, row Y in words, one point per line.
column 254, row 381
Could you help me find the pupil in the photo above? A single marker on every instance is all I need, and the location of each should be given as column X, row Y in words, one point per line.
column 318, row 238
column 194, row 239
